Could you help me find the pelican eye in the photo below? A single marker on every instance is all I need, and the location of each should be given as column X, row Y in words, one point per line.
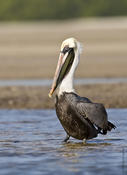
column 65, row 49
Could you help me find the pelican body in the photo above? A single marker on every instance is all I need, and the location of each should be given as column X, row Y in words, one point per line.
column 80, row 117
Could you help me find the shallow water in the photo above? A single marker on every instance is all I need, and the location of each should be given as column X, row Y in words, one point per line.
column 31, row 144
column 48, row 82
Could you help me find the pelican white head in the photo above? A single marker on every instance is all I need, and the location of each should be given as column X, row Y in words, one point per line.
column 67, row 63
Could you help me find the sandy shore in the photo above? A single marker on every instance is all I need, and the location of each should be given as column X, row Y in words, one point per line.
column 111, row 95
column 31, row 50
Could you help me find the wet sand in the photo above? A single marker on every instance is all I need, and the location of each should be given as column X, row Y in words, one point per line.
column 111, row 95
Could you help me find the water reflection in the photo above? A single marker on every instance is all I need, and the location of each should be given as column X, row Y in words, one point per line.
column 31, row 143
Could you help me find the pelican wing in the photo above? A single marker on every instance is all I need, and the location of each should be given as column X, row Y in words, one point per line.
column 94, row 112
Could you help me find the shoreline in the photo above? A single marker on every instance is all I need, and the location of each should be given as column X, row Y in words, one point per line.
column 28, row 97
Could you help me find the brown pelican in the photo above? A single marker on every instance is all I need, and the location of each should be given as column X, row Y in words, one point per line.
column 80, row 117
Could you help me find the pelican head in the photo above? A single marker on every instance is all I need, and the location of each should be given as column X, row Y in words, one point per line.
column 67, row 63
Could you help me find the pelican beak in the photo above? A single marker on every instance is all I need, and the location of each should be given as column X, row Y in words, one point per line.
column 55, row 83
column 63, row 66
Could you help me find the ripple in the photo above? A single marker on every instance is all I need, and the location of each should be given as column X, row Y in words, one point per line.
column 30, row 144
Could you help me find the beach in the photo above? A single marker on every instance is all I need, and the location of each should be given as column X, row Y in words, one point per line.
column 14, row 97
column 30, row 51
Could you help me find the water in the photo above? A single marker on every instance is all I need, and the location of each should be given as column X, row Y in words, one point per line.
column 31, row 144
column 48, row 82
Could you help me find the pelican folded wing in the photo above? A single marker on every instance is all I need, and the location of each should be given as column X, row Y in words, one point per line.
column 95, row 112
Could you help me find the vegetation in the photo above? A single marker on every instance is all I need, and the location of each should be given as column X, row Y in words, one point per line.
column 60, row 9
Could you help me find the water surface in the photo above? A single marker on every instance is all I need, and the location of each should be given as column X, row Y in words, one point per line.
column 48, row 82
column 31, row 144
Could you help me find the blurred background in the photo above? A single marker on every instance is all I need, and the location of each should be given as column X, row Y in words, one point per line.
column 31, row 32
